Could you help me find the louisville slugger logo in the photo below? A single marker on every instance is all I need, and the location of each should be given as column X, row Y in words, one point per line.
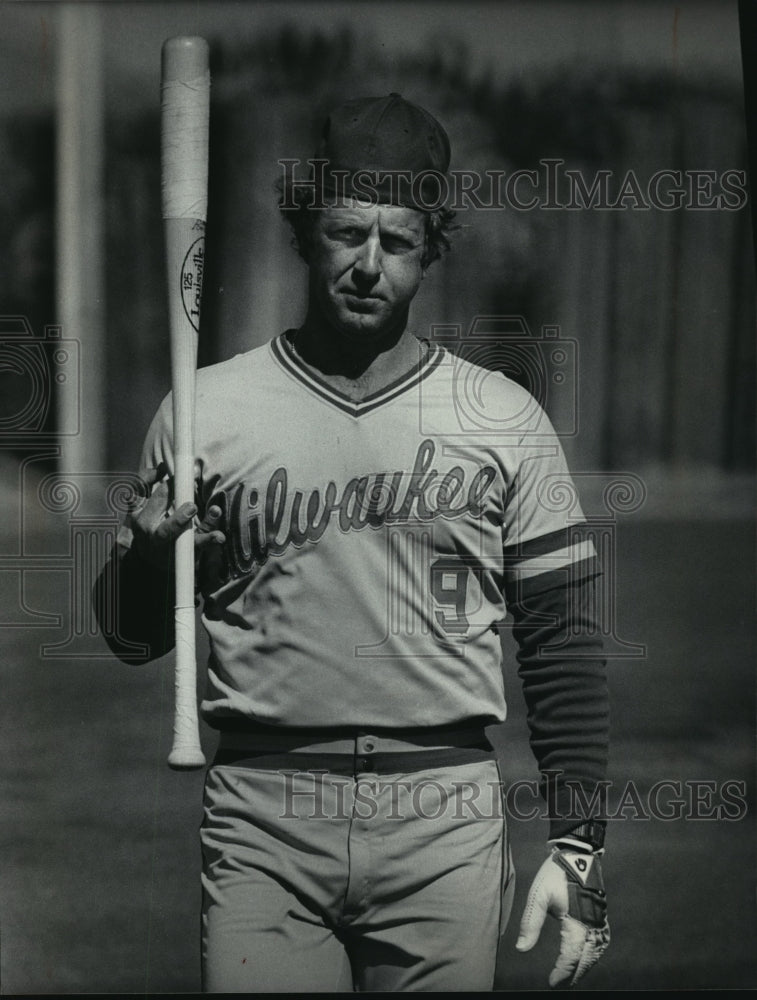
column 265, row 524
column 191, row 281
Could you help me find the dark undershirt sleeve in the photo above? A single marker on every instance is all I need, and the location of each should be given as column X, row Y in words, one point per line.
column 133, row 604
column 563, row 672
column 134, row 600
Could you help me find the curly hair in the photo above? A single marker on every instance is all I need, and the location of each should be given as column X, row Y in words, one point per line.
column 301, row 217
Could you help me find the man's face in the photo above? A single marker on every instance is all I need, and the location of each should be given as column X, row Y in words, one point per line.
column 365, row 267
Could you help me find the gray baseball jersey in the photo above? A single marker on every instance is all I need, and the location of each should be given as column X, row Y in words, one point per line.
column 369, row 543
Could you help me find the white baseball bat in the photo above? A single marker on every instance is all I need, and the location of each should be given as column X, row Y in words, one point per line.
column 185, row 103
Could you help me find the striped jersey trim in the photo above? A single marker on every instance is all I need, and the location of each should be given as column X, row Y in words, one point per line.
column 295, row 367
column 545, row 543
column 522, row 588
column 552, row 560
column 580, row 552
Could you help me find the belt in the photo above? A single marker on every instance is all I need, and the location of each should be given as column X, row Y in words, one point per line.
column 357, row 751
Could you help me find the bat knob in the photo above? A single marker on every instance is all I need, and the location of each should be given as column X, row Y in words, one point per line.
column 187, row 759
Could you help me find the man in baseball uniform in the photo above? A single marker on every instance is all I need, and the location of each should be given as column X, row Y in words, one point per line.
column 359, row 541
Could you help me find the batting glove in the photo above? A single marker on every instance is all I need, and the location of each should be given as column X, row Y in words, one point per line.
column 569, row 887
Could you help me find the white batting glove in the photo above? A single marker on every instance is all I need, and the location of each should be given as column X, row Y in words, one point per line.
column 569, row 887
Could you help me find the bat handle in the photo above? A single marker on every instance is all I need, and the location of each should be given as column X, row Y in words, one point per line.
column 186, row 751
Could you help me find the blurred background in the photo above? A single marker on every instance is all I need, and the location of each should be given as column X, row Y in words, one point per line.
column 656, row 307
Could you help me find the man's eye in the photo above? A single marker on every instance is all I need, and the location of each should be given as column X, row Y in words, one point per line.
column 397, row 244
column 348, row 235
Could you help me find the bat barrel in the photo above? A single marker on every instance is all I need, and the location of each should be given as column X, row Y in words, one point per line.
column 185, row 115
column 183, row 58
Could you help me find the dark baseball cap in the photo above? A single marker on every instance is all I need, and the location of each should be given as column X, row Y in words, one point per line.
column 384, row 149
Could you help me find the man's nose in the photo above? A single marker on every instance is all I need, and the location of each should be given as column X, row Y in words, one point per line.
column 367, row 265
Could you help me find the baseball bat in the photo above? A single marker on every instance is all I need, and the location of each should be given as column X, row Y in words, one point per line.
column 185, row 103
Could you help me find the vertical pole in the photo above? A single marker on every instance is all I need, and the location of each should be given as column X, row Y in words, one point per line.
column 80, row 292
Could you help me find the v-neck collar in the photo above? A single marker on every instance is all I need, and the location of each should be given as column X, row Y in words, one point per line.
column 295, row 366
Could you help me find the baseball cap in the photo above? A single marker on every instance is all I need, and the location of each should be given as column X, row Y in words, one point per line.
column 384, row 149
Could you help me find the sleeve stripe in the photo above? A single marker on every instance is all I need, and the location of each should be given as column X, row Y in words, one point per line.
column 547, row 543
column 556, row 559
column 519, row 589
